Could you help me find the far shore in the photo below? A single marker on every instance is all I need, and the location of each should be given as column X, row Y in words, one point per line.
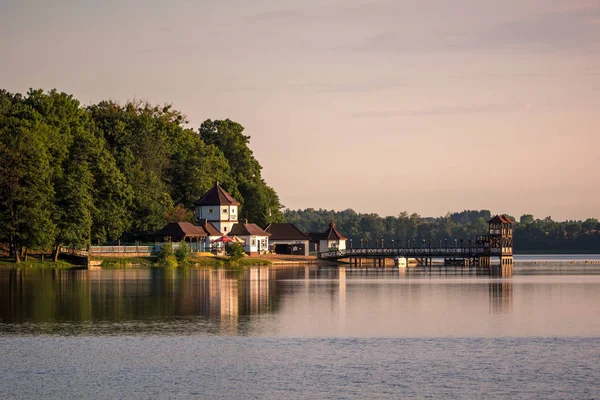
column 208, row 259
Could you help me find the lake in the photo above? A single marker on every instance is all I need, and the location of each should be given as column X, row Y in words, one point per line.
column 301, row 332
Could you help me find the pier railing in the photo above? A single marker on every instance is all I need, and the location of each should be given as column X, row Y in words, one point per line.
column 409, row 252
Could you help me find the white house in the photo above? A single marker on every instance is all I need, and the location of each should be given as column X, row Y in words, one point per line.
column 329, row 240
column 255, row 239
column 287, row 239
column 218, row 208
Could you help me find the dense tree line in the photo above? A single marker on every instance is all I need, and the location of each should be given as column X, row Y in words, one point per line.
column 73, row 175
column 530, row 234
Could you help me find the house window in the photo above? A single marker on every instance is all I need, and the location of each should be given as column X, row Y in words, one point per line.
column 224, row 229
column 233, row 210
column 210, row 210
column 253, row 242
column 224, row 211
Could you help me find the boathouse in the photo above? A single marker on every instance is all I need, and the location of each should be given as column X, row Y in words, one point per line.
column 177, row 232
column 286, row 238
column 256, row 240
column 219, row 208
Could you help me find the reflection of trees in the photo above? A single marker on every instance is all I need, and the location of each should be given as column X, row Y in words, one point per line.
column 224, row 300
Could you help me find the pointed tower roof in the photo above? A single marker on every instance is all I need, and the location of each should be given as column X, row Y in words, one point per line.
column 502, row 219
column 332, row 233
column 217, row 196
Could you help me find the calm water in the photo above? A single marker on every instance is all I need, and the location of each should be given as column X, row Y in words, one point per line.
column 300, row 332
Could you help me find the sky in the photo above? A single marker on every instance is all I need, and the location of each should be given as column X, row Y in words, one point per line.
column 429, row 106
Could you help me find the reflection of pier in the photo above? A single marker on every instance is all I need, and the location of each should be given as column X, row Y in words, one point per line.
column 498, row 243
column 501, row 296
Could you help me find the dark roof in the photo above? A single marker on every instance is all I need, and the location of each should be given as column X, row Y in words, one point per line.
column 332, row 233
column 181, row 229
column 217, row 196
column 209, row 228
column 240, row 229
column 502, row 219
column 315, row 237
column 287, row 231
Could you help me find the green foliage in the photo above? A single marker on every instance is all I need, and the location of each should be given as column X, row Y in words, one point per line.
column 72, row 176
column 260, row 203
column 166, row 251
column 166, row 256
column 178, row 214
column 182, row 253
column 530, row 234
column 235, row 251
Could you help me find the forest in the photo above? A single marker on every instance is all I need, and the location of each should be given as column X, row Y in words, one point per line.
column 72, row 175
column 531, row 235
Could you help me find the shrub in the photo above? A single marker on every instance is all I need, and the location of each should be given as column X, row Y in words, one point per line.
column 165, row 252
column 235, row 251
column 182, row 252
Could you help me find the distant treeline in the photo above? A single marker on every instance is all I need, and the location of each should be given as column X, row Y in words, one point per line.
column 73, row 175
column 530, row 234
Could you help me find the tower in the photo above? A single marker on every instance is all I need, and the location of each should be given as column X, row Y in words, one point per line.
column 219, row 208
column 500, row 239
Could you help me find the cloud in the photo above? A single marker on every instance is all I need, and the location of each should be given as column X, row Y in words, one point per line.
column 572, row 29
column 440, row 111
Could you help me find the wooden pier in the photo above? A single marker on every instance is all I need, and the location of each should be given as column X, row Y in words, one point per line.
column 496, row 245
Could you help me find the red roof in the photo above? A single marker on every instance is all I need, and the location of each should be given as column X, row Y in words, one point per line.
column 209, row 228
column 332, row 233
column 240, row 229
column 286, row 231
column 500, row 219
column 181, row 229
column 217, row 196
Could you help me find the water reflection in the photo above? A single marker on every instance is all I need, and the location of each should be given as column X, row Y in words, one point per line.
column 219, row 297
column 501, row 296
column 297, row 301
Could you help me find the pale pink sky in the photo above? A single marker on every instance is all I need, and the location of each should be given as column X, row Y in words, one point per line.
column 381, row 106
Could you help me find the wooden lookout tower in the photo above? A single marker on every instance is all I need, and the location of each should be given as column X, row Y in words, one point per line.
column 498, row 242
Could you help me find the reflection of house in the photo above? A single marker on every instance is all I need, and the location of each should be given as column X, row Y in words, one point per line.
column 287, row 239
column 256, row 240
column 182, row 232
column 219, row 208
column 331, row 239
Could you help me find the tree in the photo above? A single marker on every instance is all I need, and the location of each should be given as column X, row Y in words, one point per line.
column 26, row 192
column 260, row 203
column 235, row 251
column 178, row 214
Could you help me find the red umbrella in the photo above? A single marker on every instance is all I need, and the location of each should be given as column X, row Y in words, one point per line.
column 224, row 239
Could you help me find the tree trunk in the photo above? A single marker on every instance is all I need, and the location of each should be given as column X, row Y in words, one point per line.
column 42, row 256
column 26, row 253
column 15, row 252
column 56, row 252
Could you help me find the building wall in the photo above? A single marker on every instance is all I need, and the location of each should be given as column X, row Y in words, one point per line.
column 325, row 245
column 253, row 244
column 272, row 244
column 222, row 217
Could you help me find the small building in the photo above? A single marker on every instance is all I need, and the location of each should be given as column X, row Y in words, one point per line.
column 256, row 241
column 329, row 240
column 178, row 232
column 212, row 234
column 219, row 208
column 286, row 238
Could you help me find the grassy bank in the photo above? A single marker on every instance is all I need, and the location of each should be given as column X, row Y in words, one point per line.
column 203, row 259
column 225, row 261
column 36, row 264
column 123, row 262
